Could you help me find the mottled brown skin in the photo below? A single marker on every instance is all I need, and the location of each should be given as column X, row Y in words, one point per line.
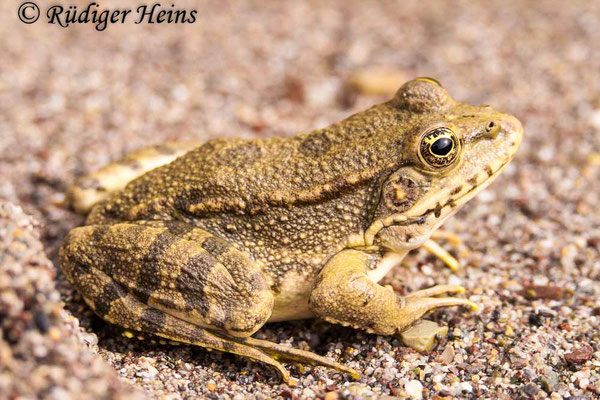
column 233, row 234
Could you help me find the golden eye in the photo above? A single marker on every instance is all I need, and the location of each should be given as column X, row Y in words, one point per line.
column 439, row 147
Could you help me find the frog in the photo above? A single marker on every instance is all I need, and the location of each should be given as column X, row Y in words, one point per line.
column 205, row 243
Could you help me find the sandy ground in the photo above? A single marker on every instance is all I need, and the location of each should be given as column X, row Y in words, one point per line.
column 74, row 99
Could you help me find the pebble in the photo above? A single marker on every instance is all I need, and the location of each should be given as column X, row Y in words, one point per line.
column 549, row 380
column 447, row 355
column 580, row 354
column 377, row 81
column 331, row 396
column 423, row 336
column 534, row 292
column 359, row 390
column 466, row 387
column 414, row 389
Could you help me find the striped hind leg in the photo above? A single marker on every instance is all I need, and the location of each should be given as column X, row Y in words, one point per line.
column 114, row 304
column 121, row 308
column 95, row 187
column 179, row 282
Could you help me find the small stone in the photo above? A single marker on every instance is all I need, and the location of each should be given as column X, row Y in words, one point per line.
column 358, row 390
column 128, row 334
column 535, row 292
column 331, row 396
column 549, row 381
column 211, row 386
column 414, row 389
column 89, row 338
column 447, row 355
column 424, row 335
column 466, row 387
column 288, row 394
column 580, row 355
column 41, row 321
column 530, row 389
column 536, row 319
column 377, row 81
column 54, row 333
column 584, row 383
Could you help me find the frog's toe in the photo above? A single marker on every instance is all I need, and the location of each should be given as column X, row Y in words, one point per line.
column 447, row 236
column 436, row 291
column 413, row 308
column 297, row 356
column 438, row 251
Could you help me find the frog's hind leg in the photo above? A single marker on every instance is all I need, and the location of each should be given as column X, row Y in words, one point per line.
column 95, row 187
column 178, row 282
column 115, row 305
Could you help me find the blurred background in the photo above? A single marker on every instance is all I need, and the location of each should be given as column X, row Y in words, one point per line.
column 73, row 99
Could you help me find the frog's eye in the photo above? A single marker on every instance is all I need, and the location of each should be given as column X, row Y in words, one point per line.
column 439, row 147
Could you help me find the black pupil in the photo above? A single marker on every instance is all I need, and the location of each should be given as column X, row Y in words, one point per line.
column 441, row 147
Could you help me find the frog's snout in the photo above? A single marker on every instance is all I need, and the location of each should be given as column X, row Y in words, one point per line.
column 514, row 128
column 510, row 132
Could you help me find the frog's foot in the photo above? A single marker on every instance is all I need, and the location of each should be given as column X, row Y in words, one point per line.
column 434, row 248
column 436, row 291
column 447, row 236
column 417, row 304
column 438, row 251
column 289, row 354
column 89, row 190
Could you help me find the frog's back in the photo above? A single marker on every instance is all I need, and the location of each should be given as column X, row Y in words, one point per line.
column 249, row 175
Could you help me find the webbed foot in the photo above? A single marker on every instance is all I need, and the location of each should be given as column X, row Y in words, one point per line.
column 417, row 304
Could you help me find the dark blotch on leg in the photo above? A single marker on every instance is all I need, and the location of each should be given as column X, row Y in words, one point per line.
column 111, row 292
column 153, row 320
column 438, row 210
column 191, row 282
column 456, row 190
column 149, row 280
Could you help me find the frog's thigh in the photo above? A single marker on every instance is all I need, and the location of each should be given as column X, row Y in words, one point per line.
column 95, row 187
column 343, row 293
column 173, row 267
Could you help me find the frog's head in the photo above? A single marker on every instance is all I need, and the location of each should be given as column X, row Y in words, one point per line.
column 452, row 151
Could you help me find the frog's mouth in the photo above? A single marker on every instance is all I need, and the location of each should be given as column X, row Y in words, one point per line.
column 418, row 228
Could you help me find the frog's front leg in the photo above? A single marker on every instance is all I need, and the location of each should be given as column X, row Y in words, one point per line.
column 173, row 280
column 343, row 293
